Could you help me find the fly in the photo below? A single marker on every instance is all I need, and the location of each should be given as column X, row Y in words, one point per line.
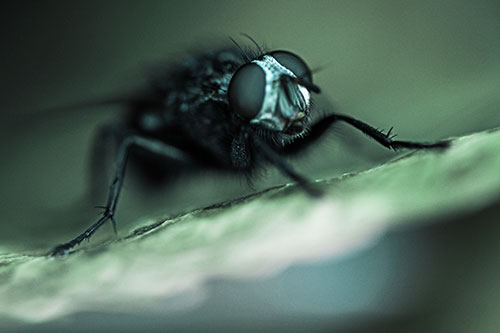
column 232, row 110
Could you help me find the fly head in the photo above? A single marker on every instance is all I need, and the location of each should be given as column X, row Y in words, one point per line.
column 274, row 92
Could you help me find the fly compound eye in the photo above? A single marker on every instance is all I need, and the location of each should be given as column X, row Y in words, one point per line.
column 246, row 91
column 294, row 63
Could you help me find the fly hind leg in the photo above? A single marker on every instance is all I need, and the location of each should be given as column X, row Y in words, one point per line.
column 129, row 141
column 104, row 144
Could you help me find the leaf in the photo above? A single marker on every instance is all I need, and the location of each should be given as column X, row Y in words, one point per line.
column 253, row 238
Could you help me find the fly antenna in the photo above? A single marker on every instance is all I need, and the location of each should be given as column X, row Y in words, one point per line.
column 309, row 85
column 317, row 69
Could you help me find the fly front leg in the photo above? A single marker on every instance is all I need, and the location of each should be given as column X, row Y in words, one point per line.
column 385, row 139
column 285, row 168
column 129, row 141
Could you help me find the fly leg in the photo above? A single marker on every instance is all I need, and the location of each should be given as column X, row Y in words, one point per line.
column 284, row 167
column 104, row 143
column 385, row 139
column 129, row 141
column 318, row 129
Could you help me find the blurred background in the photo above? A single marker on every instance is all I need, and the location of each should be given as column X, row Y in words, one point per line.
column 429, row 68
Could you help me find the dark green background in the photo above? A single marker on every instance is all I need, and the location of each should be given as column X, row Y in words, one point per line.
column 429, row 68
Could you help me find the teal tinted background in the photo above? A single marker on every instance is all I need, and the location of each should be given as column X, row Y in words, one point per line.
column 428, row 68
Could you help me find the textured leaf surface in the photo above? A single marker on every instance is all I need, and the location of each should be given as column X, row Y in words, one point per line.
column 253, row 238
